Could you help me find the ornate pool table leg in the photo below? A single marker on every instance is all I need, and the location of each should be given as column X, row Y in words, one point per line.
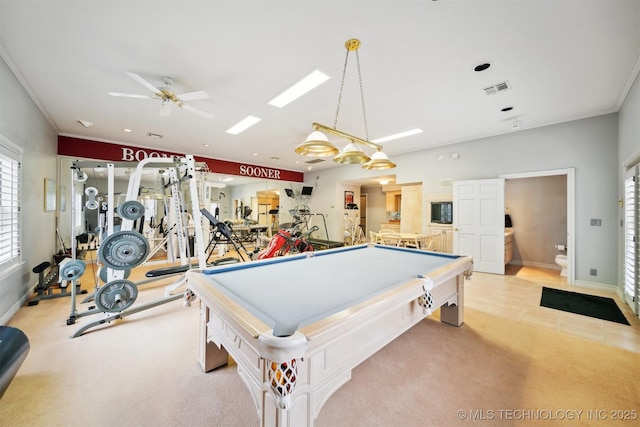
column 453, row 314
column 210, row 356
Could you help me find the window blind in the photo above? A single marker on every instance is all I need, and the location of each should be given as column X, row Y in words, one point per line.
column 631, row 243
column 10, row 225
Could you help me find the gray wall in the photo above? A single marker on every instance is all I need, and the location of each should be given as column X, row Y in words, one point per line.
column 628, row 148
column 587, row 145
column 23, row 124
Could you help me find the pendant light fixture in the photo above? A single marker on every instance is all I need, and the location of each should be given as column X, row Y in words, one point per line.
column 317, row 144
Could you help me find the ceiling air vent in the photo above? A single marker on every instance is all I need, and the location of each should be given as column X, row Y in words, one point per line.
column 498, row 87
column 314, row 161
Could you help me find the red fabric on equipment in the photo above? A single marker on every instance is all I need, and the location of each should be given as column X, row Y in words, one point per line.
column 275, row 244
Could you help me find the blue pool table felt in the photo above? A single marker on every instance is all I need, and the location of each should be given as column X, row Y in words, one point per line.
column 287, row 293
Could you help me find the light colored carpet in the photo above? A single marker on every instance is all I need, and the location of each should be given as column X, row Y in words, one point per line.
column 142, row 371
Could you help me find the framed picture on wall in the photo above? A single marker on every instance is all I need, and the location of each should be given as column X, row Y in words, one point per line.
column 348, row 199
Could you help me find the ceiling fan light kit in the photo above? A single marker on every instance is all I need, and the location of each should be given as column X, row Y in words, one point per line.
column 318, row 145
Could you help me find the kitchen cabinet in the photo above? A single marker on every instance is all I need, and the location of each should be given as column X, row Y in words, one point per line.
column 394, row 226
column 393, row 201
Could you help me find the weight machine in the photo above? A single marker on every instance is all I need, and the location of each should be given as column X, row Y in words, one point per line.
column 122, row 250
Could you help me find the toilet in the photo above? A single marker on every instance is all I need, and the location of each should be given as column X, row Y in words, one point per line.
column 561, row 260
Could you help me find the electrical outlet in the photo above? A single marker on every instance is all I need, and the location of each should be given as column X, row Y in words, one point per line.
column 596, row 222
column 593, row 272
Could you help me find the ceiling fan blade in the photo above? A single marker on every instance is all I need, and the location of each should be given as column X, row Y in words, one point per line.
column 143, row 82
column 192, row 96
column 196, row 111
column 130, row 95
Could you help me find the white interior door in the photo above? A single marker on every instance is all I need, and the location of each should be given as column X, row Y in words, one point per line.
column 478, row 223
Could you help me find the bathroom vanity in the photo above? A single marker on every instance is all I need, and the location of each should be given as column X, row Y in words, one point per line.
column 508, row 245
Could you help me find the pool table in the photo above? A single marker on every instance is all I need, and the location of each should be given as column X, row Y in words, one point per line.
column 297, row 325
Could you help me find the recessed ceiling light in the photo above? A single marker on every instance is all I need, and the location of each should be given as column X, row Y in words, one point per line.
column 154, row 135
column 227, row 179
column 243, row 125
column 506, row 109
column 308, row 83
column 206, row 145
column 383, row 181
column 255, row 154
column 398, row 135
column 127, row 130
column 85, row 123
column 481, row 67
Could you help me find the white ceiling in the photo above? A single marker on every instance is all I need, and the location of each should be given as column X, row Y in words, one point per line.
column 563, row 59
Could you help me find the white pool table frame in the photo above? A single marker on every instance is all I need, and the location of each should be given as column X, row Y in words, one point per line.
column 326, row 351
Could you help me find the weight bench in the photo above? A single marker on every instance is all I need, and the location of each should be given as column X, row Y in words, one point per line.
column 166, row 271
column 14, row 347
column 122, row 302
column 46, row 283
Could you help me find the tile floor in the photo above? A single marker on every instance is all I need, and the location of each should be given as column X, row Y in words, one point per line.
column 516, row 295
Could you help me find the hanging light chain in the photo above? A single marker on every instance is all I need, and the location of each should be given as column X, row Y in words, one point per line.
column 364, row 112
column 352, row 45
column 344, row 73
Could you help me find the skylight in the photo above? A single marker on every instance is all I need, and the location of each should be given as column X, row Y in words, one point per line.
column 397, row 136
column 243, row 125
column 308, row 83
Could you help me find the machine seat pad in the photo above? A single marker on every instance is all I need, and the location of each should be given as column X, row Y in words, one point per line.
column 225, row 261
column 41, row 267
column 177, row 269
column 166, row 271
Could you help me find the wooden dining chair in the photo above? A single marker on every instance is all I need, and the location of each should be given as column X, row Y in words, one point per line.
column 424, row 242
column 436, row 240
column 412, row 242
column 389, row 239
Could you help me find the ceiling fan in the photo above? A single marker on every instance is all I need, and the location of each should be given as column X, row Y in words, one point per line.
column 167, row 96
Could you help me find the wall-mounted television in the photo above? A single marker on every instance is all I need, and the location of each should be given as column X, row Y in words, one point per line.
column 442, row 212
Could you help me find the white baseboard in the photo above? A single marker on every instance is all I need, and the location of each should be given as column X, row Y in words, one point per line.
column 14, row 309
column 598, row 286
column 535, row 264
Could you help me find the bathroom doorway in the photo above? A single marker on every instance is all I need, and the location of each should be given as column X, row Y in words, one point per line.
column 520, row 222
